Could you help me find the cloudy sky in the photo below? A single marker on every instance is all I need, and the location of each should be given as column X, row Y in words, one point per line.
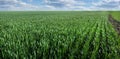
column 59, row 5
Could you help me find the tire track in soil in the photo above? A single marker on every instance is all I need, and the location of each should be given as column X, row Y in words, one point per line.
column 115, row 23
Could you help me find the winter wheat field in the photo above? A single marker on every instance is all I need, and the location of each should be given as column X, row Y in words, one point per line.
column 59, row 35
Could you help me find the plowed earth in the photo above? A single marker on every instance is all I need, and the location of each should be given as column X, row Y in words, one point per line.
column 115, row 23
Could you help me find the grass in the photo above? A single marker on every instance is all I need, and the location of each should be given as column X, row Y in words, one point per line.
column 116, row 15
column 57, row 35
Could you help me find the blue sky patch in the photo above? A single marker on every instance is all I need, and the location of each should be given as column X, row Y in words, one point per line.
column 59, row 5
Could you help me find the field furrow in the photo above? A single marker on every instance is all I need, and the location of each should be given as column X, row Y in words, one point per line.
column 57, row 35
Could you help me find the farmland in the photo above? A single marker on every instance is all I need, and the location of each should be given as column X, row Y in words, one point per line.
column 116, row 15
column 58, row 35
column 114, row 18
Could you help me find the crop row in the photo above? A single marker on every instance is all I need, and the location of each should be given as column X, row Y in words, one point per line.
column 64, row 35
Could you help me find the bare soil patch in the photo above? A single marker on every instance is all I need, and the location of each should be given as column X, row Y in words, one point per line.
column 115, row 23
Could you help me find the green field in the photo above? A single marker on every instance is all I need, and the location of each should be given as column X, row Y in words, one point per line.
column 116, row 15
column 58, row 35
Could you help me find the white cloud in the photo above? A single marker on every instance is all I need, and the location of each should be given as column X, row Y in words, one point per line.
column 60, row 5
column 111, row 0
column 64, row 4
column 107, row 5
column 15, row 5
column 82, row 5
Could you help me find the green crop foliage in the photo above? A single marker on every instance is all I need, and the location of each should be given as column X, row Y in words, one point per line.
column 57, row 35
column 116, row 15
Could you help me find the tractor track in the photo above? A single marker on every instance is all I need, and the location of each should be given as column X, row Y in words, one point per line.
column 115, row 23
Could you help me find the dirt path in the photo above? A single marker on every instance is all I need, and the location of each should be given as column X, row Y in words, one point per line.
column 115, row 23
